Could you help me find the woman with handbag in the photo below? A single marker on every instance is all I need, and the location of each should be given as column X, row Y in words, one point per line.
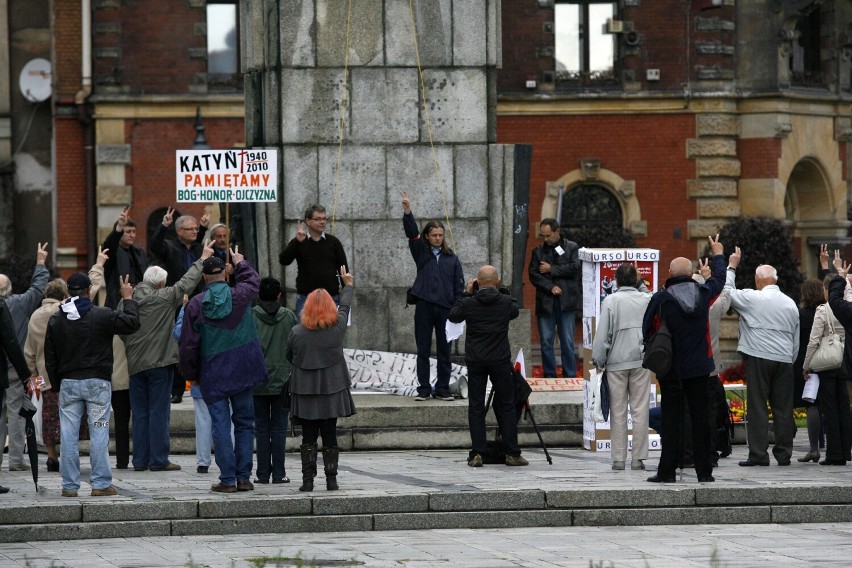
column 813, row 296
column 825, row 357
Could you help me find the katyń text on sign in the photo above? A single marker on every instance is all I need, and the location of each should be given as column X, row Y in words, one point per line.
column 226, row 175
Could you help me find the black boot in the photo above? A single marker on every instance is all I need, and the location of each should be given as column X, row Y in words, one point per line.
column 309, row 466
column 329, row 459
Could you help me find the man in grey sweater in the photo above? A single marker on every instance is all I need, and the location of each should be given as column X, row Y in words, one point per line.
column 769, row 342
column 618, row 349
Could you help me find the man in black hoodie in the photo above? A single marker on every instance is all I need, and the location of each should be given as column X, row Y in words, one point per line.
column 488, row 312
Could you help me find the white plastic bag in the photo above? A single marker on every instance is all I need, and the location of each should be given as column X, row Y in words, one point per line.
column 597, row 411
column 37, row 401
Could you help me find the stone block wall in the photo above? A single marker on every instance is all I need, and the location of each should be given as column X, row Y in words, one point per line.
column 353, row 132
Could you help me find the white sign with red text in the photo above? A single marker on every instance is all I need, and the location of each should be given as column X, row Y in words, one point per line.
column 236, row 175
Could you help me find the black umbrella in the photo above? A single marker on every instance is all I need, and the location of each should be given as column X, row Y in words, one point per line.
column 605, row 396
column 27, row 411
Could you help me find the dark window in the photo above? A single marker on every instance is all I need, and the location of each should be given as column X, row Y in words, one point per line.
column 223, row 70
column 805, row 55
column 591, row 216
column 584, row 49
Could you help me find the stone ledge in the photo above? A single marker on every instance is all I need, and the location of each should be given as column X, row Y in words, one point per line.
column 480, row 520
column 81, row 531
column 672, row 516
column 663, row 497
column 272, row 525
column 128, row 511
column 255, row 507
column 487, row 501
column 370, row 505
column 41, row 514
column 773, row 495
column 812, row 513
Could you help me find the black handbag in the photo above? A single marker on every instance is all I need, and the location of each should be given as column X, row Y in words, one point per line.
column 658, row 350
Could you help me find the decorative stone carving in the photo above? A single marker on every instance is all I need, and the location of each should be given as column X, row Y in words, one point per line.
column 783, row 130
column 590, row 167
column 628, row 188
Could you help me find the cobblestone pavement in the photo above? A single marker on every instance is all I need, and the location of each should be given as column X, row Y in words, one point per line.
column 642, row 547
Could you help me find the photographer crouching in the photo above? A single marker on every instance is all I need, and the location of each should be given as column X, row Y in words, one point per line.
column 488, row 311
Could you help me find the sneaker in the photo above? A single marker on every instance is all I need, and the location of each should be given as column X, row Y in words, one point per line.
column 475, row 461
column 202, row 469
column 516, row 460
column 19, row 467
column 68, row 493
column 111, row 490
column 262, row 481
column 224, row 488
column 445, row 397
column 637, row 465
column 244, row 485
column 169, row 467
column 421, row 398
column 284, row 479
column 617, row 466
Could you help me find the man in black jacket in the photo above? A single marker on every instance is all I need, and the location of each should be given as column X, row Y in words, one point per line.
column 555, row 271
column 78, row 359
column 125, row 258
column 488, row 312
column 10, row 349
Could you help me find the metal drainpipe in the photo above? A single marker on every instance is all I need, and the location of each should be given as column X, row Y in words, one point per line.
column 85, row 118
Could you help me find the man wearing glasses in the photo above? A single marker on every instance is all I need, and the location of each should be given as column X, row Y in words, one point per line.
column 176, row 256
column 318, row 257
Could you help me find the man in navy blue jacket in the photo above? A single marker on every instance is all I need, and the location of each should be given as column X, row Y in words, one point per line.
column 684, row 305
column 439, row 283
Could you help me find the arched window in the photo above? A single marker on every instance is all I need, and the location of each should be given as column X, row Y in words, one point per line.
column 591, row 216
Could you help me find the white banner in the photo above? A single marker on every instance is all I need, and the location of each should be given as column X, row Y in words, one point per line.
column 394, row 373
column 226, row 175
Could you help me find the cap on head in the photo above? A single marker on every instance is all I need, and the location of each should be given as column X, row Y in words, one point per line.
column 79, row 281
column 213, row 265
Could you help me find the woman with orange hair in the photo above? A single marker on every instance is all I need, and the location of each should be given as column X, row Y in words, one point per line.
column 319, row 384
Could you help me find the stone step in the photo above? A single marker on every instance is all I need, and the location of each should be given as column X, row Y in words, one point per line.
column 390, row 422
column 485, row 509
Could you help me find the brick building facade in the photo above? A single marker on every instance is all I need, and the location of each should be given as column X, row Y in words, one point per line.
column 684, row 113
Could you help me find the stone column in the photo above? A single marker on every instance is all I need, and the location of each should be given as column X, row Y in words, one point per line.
column 302, row 84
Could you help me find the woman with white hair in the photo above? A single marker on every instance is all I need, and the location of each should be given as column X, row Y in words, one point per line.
column 151, row 357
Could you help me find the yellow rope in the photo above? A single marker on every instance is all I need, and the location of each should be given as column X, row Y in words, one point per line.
column 429, row 123
column 342, row 120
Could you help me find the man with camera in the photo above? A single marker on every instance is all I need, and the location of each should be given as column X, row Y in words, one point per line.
column 487, row 312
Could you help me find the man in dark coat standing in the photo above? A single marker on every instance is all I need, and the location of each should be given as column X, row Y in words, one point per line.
column 684, row 305
column 487, row 313
column 438, row 285
column 9, row 349
column 125, row 258
column 555, row 271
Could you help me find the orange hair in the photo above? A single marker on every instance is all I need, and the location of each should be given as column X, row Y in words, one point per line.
column 319, row 311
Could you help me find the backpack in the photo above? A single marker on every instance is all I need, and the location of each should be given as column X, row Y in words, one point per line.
column 658, row 349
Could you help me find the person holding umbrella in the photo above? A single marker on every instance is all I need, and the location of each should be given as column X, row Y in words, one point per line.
column 9, row 348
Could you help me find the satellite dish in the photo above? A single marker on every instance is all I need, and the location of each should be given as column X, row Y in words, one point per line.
column 35, row 80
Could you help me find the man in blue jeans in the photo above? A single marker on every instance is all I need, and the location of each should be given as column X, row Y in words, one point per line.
column 220, row 349
column 78, row 358
column 555, row 271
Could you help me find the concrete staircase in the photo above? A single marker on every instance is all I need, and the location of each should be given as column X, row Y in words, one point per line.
column 390, row 422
